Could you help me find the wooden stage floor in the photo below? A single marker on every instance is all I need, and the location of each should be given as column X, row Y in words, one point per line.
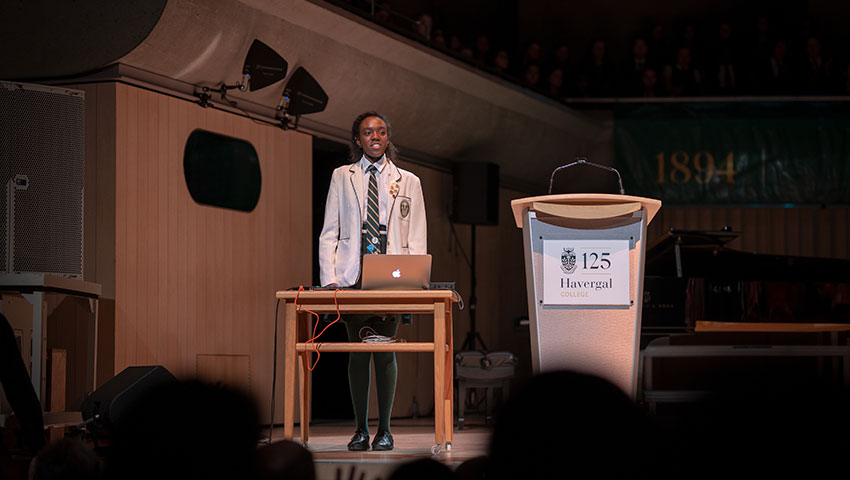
column 414, row 439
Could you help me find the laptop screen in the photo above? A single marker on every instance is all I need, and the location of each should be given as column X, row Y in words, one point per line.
column 396, row 272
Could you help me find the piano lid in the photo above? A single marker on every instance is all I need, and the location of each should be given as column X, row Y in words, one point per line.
column 703, row 253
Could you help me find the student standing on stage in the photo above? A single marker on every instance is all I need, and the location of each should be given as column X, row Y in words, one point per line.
column 373, row 207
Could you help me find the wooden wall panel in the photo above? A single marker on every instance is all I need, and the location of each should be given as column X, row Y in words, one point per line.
column 809, row 231
column 196, row 280
column 99, row 210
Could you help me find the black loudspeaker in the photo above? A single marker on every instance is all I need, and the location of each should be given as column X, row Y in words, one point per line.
column 106, row 406
column 476, row 193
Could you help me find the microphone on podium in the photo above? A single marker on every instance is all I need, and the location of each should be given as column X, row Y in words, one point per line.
column 583, row 161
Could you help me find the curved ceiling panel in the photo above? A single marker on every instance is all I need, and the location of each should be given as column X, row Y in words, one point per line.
column 441, row 108
column 47, row 39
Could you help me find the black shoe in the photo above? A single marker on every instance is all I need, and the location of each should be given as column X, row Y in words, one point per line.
column 383, row 441
column 359, row 442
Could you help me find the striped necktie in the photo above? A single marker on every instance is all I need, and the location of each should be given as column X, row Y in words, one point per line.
column 372, row 218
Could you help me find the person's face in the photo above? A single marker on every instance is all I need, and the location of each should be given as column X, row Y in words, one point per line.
column 780, row 50
column 534, row 51
column 439, row 39
column 373, row 137
column 556, row 78
column 598, row 50
column 640, row 48
column 649, row 78
column 725, row 31
column 762, row 25
column 562, row 53
column 502, row 61
column 532, row 75
column 684, row 57
column 482, row 44
column 657, row 33
column 813, row 47
column 690, row 33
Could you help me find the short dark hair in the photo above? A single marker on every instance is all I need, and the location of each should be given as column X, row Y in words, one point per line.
column 354, row 150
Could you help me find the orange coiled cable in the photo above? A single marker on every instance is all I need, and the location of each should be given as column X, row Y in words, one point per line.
column 315, row 337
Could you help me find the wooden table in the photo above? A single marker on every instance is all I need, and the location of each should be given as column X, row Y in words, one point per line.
column 297, row 330
column 33, row 287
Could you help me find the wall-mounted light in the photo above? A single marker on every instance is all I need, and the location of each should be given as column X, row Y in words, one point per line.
column 263, row 67
column 301, row 95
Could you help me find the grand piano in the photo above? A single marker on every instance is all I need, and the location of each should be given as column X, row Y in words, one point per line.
column 693, row 277
column 711, row 312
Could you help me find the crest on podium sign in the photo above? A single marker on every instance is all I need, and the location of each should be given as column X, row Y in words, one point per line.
column 568, row 260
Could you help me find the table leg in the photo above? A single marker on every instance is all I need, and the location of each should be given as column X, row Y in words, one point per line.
column 304, row 385
column 96, row 308
column 439, row 372
column 39, row 344
column 289, row 360
column 449, row 375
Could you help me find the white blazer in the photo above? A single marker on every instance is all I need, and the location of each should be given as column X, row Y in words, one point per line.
column 339, row 242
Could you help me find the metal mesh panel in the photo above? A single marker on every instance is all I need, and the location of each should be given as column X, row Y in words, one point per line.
column 42, row 138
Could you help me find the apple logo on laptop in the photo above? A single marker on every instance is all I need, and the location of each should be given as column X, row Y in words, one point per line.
column 396, row 273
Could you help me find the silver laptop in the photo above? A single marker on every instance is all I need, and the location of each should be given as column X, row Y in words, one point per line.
column 396, row 272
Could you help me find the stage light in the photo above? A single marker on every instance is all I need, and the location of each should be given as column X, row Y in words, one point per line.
column 302, row 95
column 263, row 67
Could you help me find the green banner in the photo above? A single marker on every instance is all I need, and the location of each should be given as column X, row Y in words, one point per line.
column 735, row 153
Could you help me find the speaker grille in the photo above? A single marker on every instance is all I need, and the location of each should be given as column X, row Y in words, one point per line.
column 42, row 161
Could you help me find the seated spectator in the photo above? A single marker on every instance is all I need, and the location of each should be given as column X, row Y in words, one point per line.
column 845, row 81
column 659, row 48
column 423, row 26
column 816, row 72
column 774, row 75
column 455, row 44
column 562, row 60
column 631, row 73
column 482, row 49
column 466, row 53
column 422, row 469
column 692, row 43
column 561, row 57
column 555, row 84
column 439, row 38
column 725, row 75
column 597, row 74
column 285, row 460
column 760, row 46
column 682, row 79
column 502, row 62
column 19, row 391
column 531, row 77
column 66, row 459
column 568, row 425
column 533, row 55
column 649, row 84
column 382, row 14
column 473, row 469
column 186, row 430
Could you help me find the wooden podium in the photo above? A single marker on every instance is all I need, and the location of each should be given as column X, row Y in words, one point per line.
column 584, row 256
column 437, row 303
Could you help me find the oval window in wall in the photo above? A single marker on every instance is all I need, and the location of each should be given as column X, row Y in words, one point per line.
column 222, row 171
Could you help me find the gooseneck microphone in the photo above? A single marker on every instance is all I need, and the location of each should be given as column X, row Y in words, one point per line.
column 583, row 161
